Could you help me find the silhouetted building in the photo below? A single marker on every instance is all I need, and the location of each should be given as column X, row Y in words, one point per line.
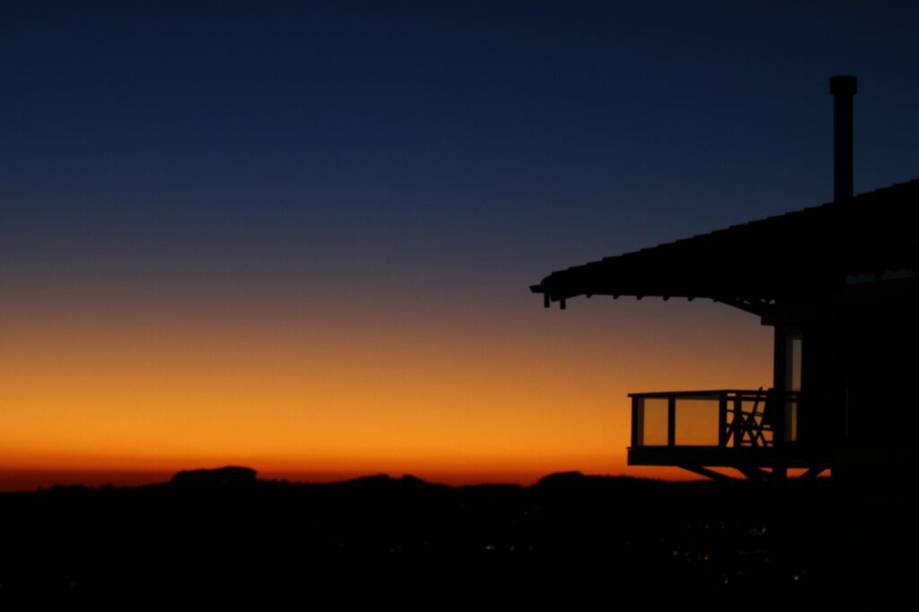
column 837, row 283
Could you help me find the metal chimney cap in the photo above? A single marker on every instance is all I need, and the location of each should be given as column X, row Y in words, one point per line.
column 845, row 85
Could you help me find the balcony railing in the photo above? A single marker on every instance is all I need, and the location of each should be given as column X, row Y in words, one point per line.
column 726, row 418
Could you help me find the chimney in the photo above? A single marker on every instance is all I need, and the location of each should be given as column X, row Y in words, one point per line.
column 843, row 89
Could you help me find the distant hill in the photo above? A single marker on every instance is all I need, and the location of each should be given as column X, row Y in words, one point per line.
column 229, row 476
column 227, row 525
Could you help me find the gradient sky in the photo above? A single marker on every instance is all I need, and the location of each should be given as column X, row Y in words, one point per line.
column 300, row 237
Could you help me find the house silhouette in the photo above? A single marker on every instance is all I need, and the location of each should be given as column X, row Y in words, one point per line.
column 837, row 283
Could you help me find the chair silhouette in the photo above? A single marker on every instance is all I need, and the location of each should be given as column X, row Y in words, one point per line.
column 751, row 426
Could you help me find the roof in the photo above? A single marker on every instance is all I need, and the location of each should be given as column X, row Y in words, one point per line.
column 798, row 254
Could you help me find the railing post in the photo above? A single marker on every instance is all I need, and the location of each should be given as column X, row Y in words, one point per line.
column 671, row 420
column 738, row 420
column 638, row 421
column 722, row 420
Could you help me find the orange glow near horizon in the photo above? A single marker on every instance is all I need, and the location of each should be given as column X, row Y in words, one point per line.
column 506, row 394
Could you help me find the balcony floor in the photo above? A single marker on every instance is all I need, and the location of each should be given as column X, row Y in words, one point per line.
column 791, row 456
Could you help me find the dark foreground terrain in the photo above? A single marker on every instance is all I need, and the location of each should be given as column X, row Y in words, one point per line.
column 224, row 530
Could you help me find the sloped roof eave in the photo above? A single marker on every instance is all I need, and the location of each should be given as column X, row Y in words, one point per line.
column 797, row 253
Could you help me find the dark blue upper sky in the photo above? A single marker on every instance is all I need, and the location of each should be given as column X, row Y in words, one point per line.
column 455, row 148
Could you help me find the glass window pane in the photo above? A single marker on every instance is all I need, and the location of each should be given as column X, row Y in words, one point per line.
column 697, row 422
column 655, row 422
column 793, row 354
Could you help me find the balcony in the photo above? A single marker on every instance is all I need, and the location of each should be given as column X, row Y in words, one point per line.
column 751, row 431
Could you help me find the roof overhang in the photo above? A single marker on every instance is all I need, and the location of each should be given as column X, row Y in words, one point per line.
column 798, row 256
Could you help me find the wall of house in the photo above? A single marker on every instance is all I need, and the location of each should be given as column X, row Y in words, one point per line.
column 822, row 422
column 880, row 406
column 860, row 369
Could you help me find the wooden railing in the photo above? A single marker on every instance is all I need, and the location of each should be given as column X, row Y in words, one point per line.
column 728, row 418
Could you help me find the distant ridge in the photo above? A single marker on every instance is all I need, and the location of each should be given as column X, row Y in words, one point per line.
column 224, row 528
column 230, row 476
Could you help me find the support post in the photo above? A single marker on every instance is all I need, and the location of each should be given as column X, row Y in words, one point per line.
column 780, row 385
column 671, row 421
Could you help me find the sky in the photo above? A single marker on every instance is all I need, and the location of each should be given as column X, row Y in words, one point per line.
column 300, row 236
